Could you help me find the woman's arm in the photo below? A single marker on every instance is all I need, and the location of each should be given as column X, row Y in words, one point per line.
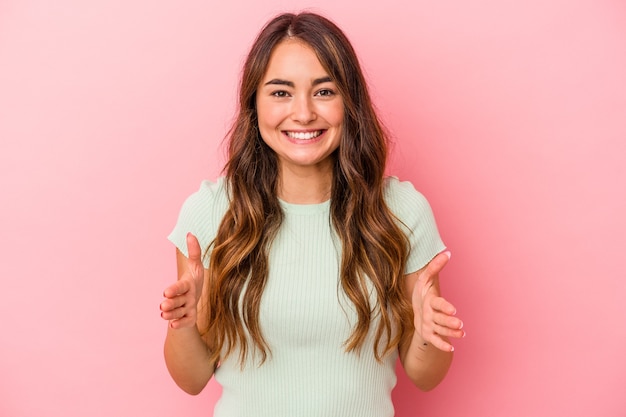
column 186, row 351
column 425, row 350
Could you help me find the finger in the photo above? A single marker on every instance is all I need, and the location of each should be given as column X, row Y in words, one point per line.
column 450, row 322
column 441, row 344
column 175, row 314
column 443, row 305
column 182, row 322
column 437, row 263
column 173, row 303
column 448, row 332
column 176, row 289
column 194, row 251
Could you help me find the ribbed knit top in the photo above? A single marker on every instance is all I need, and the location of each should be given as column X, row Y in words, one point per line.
column 305, row 316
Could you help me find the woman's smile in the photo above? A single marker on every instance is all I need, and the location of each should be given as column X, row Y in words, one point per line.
column 304, row 136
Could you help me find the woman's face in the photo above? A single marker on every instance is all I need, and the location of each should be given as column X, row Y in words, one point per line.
column 299, row 110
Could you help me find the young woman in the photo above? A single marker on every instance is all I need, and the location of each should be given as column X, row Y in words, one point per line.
column 304, row 272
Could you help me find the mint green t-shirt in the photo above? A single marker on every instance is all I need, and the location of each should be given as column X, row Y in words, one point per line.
column 305, row 316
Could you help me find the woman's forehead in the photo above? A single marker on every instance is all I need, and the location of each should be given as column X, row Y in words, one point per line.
column 293, row 59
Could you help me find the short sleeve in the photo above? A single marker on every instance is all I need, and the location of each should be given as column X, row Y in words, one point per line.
column 200, row 214
column 417, row 221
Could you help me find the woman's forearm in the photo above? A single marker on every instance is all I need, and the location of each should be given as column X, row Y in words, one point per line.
column 425, row 364
column 188, row 359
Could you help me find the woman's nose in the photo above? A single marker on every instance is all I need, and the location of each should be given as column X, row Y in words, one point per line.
column 303, row 110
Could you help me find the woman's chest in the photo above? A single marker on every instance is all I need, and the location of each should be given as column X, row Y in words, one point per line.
column 303, row 303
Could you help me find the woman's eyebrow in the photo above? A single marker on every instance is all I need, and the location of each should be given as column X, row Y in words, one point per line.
column 278, row 81
column 321, row 80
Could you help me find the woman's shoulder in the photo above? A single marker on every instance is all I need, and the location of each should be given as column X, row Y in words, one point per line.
column 201, row 214
column 212, row 187
column 405, row 201
column 398, row 192
column 416, row 219
column 209, row 201
column 209, row 192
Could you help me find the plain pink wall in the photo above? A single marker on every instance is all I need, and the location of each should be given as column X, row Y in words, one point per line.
column 509, row 116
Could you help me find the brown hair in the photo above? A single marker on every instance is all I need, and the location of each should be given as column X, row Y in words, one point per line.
column 374, row 248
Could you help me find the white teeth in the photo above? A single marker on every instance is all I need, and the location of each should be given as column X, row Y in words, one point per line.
column 304, row 135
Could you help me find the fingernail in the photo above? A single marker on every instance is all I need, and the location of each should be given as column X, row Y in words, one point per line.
column 448, row 254
column 451, row 348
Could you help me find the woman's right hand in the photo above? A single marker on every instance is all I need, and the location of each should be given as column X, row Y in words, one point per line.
column 180, row 306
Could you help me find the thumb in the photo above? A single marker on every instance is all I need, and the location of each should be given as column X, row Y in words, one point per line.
column 193, row 250
column 437, row 263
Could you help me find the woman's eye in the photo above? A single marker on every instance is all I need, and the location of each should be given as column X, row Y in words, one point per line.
column 280, row 93
column 325, row 92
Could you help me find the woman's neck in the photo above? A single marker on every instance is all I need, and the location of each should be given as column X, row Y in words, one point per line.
column 310, row 187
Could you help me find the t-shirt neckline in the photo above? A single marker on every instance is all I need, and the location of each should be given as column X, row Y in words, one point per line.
column 305, row 208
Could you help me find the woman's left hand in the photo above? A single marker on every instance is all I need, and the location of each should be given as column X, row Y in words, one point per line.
column 433, row 316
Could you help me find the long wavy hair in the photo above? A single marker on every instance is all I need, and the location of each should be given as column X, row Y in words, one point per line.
column 374, row 248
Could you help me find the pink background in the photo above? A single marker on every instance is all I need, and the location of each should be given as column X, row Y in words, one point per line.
column 509, row 116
